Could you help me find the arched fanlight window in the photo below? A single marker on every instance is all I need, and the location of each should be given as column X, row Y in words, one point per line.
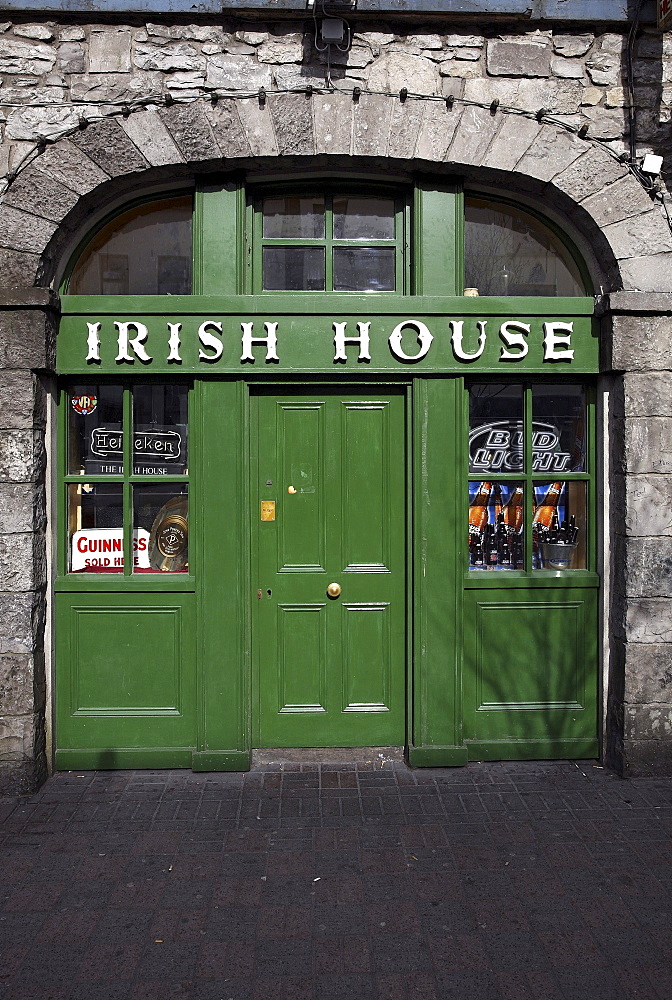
column 510, row 252
column 144, row 251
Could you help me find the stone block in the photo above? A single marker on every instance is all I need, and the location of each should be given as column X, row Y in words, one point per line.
column 21, row 400
column 30, row 124
column 457, row 68
column 470, row 41
column 167, row 58
column 16, row 685
column 151, row 137
column 393, row 70
column 36, row 192
column 606, row 123
column 287, row 48
column 649, row 394
column 572, row 45
column 18, row 620
column 23, row 507
column 24, row 338
column 68, row 164
column 190, row 130
column 551, row 153
column 186, row 84
column 648, row 505
column 292, row 117
column 107, row 144
column 590, row 173
column 648, row 673
column 21, row 456
column 648, row 567
column 71, row 58
column 639, row 235
column 518, row 57
column 473, row 136
column 647, row 274
column 621, row 200
column 25, row 57
column 372, row 115
column 603, row 68
column 258, row 127
column 41, row 32
column 649, row 722
column 436, row 131
column 72, row 33
column 16, row 739
column 649, row 619
column 470, row 55
column 516, row 135
column 22, row 562
column 647, row 758
column 232, row 73
column 227, row 129
column 23, row 231
column 332, row 123
column 18, row 268
column 566, row 69
column 648, row 445
column 110, row 50
column 404, row 128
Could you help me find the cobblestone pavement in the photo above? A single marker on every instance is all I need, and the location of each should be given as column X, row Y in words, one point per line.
column 339, row 882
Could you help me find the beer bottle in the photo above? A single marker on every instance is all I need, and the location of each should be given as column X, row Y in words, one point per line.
column 491, row 547
column 513, row 510
column 547, row 510
column 478, row 510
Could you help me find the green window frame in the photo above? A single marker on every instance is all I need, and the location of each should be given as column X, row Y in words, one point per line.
column 127, row 479
column 258, row 242
column 529, row 479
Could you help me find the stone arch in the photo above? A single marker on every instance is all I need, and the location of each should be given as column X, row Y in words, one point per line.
column 49, row 199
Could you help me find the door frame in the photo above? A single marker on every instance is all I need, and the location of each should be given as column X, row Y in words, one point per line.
column 400, row 387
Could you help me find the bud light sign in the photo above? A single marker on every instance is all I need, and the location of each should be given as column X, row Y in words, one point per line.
column 497, row 446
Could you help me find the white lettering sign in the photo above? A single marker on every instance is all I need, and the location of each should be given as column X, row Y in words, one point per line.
column 96, row 550
column 515, row 335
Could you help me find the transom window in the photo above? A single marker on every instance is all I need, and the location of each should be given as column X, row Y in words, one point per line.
column 355, row 240
column 325, row 242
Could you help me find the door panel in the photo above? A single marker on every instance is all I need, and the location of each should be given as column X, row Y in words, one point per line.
column 330, row 670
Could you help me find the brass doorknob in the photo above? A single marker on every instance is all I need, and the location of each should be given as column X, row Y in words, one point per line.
column 334, row 589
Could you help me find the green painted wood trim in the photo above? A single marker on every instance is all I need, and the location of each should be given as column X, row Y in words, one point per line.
column 218, row 238
column 431, row 756
column 221, row 760
column 224, row 594
column 585, row 749
column 439, row 239
column 104, row 759
column 439, row 509
column 441, row 302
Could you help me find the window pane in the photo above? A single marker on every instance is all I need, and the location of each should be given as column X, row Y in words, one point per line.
column 496, row 526
column 161, row 528
column 495, row 428
column 95, row 442
column 559, row 526
column 363, row 269
column 145, row 251
column 96, row 531
column 159, row 429
column 294, row 269
column 508, row 252
column 357, row 218
column 293, row 218
column 559, row 415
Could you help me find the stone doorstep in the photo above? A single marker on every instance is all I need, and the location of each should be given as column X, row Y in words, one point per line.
column 329, row 755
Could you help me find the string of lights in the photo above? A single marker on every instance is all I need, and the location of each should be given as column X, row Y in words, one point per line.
column 87, row 115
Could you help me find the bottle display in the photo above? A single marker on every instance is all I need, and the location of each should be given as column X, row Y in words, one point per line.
column 495, row 526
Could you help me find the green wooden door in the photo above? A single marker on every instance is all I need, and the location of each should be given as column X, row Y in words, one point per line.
column 330, row 470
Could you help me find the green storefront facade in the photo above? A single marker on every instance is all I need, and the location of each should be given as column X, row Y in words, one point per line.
column 319, row 517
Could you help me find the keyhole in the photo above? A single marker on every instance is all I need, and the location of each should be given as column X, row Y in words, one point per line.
column 269, row 592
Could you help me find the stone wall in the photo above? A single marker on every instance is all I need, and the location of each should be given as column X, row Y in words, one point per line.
column 26, row 328
column 90, row 111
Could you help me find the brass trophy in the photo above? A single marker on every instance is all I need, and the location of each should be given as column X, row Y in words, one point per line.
column 169, row 537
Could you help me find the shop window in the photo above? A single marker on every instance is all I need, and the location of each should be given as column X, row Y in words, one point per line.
column 346, row 242
column 127, row 478
column 510, row 252
column 528, row 477
column 144, row 251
